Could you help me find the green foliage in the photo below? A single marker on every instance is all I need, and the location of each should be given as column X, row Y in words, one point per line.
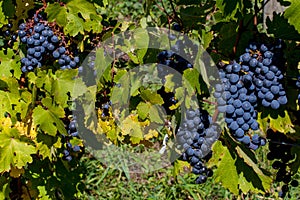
column 34, row 106
column 76, row 17
column 292, row 15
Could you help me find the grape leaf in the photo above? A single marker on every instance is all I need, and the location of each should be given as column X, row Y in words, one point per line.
column 64, row 83
column 4, row 188
column 236, row 170
column 152, row 97
column 143, row 110
column 277, row 121
column 141, row 40
column 229, row 8
column 57, row 13
column 191, row 77
column 74, row 25
column 151, row 133
column 156, row 114
column 16, row 172
column 43, row 192
column 9, row 61
column 280, row 27
column 49, row 119
column 130, row 126
column 14, row 151
column 293, row 15
column 3, row 20
column 22, row 9
column 76, row 16
column 9, row 101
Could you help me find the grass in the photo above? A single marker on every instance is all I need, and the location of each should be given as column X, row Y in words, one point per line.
column 108, row 183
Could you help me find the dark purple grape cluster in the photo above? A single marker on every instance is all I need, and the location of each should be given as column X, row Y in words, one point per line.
column 280, row 150
column 41, row 44
column 266, row 75
column 236, row 98
column 171, row 59
column 72, row 132
column 245, row 85
column 8, row 34
column 195, row 137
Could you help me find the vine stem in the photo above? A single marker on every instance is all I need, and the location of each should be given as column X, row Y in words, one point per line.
column 237, row 39
column 42, row 8
column 215, row 116
column 163, row 10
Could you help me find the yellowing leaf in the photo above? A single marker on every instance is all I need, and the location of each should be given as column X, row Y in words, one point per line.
column 16, row 172
column 151, row 134
column 14, row 152
column 130, row 126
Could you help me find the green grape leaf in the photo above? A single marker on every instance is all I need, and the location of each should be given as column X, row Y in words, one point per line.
column 293, row 15
column 229, row 9
column 14, row 151
column 237, row 171
column 282, row 123
column 46, row 143
column 152, row 97
column 141, row 40
column 143, row 110
column 3, row 19
column 206, row 38
column 279, row 121
column 94, row 24
column 226, row 171
column 49, row 119
column 74, row 25
column 57, row 13
column 64, row 83
column 43, row 150
column 76, row 16
column 263, row 123
column 9, row 61
column 103, row 66
column 156, row 114
column 170, row 83
column 43, row 192
column 8, row 100
column 191, row 77
column 4, row 188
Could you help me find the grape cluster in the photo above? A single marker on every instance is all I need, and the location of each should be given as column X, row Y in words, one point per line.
column 72, row 132
column 41, row 44
column 236, row 98
column 171, row 59
column 281, row 152
column 195, row 137
column 7, row 33
column 253, row 81
column 266, row 75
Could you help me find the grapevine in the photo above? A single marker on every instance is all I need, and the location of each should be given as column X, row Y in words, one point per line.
column 202, row 96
